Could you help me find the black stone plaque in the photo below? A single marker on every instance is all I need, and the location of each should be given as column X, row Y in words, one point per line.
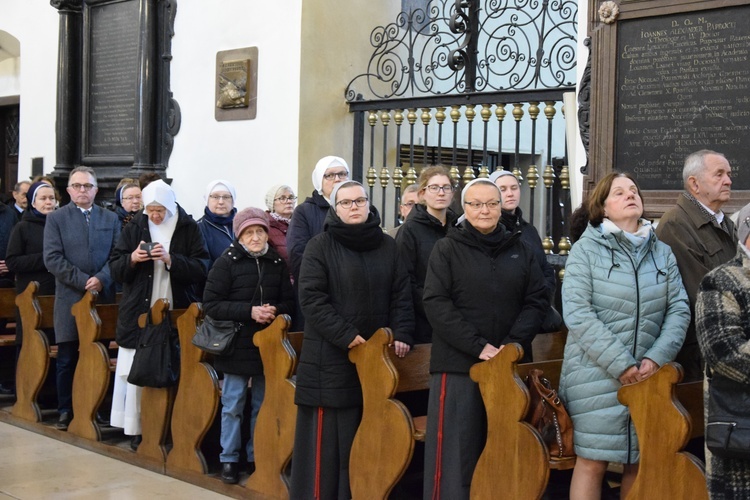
column 112, row 63
column 683, row 84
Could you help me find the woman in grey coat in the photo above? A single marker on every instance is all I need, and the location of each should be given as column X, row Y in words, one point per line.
column 627, row 313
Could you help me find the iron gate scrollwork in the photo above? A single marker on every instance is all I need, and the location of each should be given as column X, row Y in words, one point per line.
column 461, row 46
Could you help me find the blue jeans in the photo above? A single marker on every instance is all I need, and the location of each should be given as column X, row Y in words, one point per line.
column 233, row 395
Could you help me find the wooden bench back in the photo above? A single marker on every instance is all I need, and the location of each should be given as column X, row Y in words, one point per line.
column 274, row 429
column 663, row 427
column 547, row 346
column 515, row 455
column 8, row 303
column 413, row 370
column 33, row 362
column 95, row 323
column 197, row 399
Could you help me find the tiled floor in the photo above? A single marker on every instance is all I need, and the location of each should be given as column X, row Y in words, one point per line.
column 37, row 467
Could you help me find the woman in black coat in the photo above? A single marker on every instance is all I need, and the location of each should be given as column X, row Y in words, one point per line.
column 351, row 284
column 427, row 223
column 248, row 284
column 176, row 262
column 26, row 245
column 484, row 289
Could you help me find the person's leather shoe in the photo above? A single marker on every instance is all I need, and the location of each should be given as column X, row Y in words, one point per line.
column 64, row 421
column 250, row 468
column 101, row 420
column 135, row 441
column 229, row 473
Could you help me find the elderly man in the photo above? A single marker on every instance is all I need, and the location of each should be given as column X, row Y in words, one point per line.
column 409, row 198
column 78, row 239
column 19, row 195
column 700, row 234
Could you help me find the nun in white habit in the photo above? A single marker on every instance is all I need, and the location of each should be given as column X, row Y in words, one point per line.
column 160, row 254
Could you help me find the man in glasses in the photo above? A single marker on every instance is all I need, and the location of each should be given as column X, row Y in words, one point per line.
column 701, row 236
column 78, row 239
column 309, row 216
column 409, row 198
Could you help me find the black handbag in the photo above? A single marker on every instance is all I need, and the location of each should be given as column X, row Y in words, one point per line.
column 216, row 336
column 157, row 356
column 728, row 424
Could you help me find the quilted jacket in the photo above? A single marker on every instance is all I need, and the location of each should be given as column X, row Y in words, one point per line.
column 621, row 304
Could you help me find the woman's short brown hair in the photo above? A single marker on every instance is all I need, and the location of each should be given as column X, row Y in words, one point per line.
column 428, row 173
column 600, row 193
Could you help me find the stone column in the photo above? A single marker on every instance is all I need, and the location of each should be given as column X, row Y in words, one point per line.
column 146, row 94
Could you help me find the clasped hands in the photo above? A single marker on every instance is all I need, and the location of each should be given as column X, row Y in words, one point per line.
column 636, row 374
column 158, row 252
column 401, row 348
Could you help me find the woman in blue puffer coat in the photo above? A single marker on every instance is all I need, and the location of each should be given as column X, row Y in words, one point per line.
column 627, row 313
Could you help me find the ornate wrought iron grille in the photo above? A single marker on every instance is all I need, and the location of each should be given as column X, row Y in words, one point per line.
column 472, row 46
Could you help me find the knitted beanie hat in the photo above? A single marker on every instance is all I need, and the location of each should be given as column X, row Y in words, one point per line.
column 249, row 217
column 271, row 194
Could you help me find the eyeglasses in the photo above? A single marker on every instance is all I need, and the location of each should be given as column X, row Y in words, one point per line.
column 477, row 205
column 285, row 199
column 410, row 204
column 338, row 175
column 79, row 187
column 434, row 188
column 360, row 202
column 132, row 198
column 221, row 197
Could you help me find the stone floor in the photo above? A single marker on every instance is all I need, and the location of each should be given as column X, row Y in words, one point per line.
column 33, row 466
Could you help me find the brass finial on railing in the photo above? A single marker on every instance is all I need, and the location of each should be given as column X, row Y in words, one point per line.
column 484, row 172
column 563, row 247
column 565, row 177
column 372, row 118
column 397, row 177
column 385, row 176
column 500, row 112
column 398, row 116
column 411, row 116
column 561, row 274
column 455, row 112
column 549, row 109
column 454, row 175
column 440, row 115
column 548, row 176
column 468, row 174
column 486, row 112
column 410, row 177
column 426, row 116
column 385, row 117
column 533, row 109
column 517, row 111
column 372, row 176
column 470, row 113
column 532, row 176
column 548, row 244
column 519, row 175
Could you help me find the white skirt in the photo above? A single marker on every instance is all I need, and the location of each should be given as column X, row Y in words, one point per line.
column 126, row 398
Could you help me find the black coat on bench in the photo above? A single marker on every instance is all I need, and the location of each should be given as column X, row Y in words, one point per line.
column 237, row 282
column 351, row 283
column 189, row 267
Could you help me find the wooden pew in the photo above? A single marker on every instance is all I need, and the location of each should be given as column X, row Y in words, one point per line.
column 156, row 404
column 274, row 429
column 384, row 443
column 34, row 358
column 664, row 428
column 8, row 313
column 515, row 457
column 96, row 329
column 197, row 399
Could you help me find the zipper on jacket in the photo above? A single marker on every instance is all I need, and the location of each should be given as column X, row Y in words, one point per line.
column 260, row 277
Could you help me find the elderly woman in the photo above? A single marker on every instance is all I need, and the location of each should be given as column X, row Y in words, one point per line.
column 127, row 200
column 483, row 290
column 160, row 254
column 427, row 223
column 248, row 284
column 218, row 217
column 351, row 283
column 26, row 245
column 722, row 311
column 280, row 200
column 627, row 313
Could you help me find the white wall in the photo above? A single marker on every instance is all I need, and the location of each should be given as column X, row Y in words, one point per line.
column 35, row 24
column 253, row 154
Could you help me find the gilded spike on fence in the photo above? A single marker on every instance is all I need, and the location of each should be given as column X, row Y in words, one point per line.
column 397, row 177
column 563, row 247
column 532, row 176
column 548, row 176
column 565, row 177
column 426, row 116
column 548, row 244
column 500, row 112
column 440, row 115
column 533, row 109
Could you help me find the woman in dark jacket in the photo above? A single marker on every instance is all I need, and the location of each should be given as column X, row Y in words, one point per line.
column 24, row 256
column 218, row 217
column 351, row 283
column 280, row 200
column 249, row 284
column 512, row 219
column 176, row 262
column 427, row 223
column 483, row 290
column 128, row 199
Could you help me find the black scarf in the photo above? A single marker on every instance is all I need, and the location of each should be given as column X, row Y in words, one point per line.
column 357, row 237
column 491, row 243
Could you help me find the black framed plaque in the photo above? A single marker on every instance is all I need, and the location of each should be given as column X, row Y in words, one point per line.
column 110, row 81
column 670, row 78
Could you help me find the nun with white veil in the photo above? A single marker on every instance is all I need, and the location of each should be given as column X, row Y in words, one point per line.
column 160, row 254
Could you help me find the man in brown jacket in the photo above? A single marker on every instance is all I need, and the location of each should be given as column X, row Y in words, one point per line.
column 700, row 235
